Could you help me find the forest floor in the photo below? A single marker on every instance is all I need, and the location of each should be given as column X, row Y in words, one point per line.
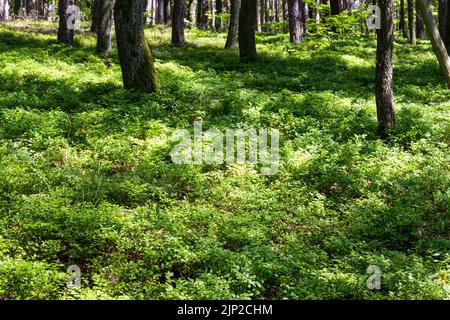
column 86, row 176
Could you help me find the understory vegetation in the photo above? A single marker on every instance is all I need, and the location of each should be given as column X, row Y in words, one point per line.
column 86, row 176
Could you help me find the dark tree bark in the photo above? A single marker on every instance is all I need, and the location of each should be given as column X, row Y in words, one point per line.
column 178, row 23
column 160, row 16
column 17, row 6
column 442, row 17
column 95, row 16
column 412, row 30
column 104, row 27
column 384, row 68
column 135, row 57
column 199, row 13
column 168, row 12
column 402, row 24
column 277, row 10
column 29, row 8
column 205, row 11
column 295, row 21
column 247, row 25
column 420, row 34
column 305, row 14
column 335, row 7
column 447, row 28
column 285, row 10
column 234, row 22
column 4, row 10
column 435, row 38
column 65, row 33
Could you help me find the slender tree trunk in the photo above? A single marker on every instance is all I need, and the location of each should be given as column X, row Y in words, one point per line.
column 135, row 57
column 412, row 30
column 29, row 8
column 304, row 14
column 168, row 12
column 65, row 33
column 447, row 28
column 178, row 23
column 277, row 10
column 205, row 10
column 295, row 21
column 285, row 10
column 435, row 38
column 442, row 17
column 39, row 9
column 160, row 12
column 272, row 16
column 4, row 10
column 419, row 26
column 402, row 24
column 154, row 9
column 95, row 16
column 247, row 26
column 384, row 68
column 104, row 27
column 234, row 22
column 266, row 11
column 193, row 12
column 213, row 15
column 258, row 16
column 17, row 6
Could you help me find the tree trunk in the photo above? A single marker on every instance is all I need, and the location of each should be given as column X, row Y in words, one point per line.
column 135, row 57
column 447, row 27
column 266, row 11
column 95, row 16
column 17, row 6
column 4, row 10
column 213, row 15
column 193, row 12
column 335, row 7
column 419, row 26
column 29, row 8
column 247, row 25
column 160, row 12
column 168, row 12
column 295, row 21
column 104, row 27
column 304, row 14
column 178, row 23
column 384, row 69
column 65, row 32
column 442, row 17
column 205, row 10
column 234, row 21
column 258, row 16
column 402, row 24
column 436, row 41
column 412, row 30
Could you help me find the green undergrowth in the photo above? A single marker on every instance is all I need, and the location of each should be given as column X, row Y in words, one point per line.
column 86, row 176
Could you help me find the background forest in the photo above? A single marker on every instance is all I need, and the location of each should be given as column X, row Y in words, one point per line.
column 87, row 111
